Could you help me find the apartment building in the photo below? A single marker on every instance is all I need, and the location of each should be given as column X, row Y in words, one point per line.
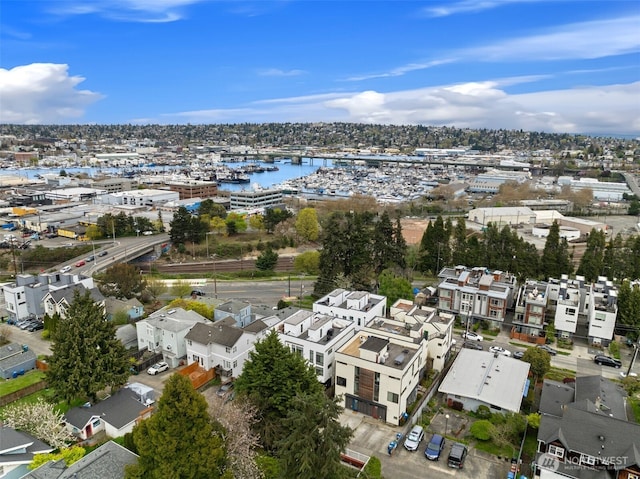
column 477, row 293
column 316, row 337
column 569, row 298
column 357, row 306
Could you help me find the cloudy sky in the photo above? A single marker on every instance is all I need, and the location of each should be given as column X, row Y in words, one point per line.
column 555, row 66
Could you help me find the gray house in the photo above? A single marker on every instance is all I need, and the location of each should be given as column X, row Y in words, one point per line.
column 15, row 360
column 17, row 449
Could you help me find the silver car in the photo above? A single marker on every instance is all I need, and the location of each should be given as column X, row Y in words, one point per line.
column 412, row 442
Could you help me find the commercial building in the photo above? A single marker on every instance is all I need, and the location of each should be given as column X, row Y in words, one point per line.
column 255, row 199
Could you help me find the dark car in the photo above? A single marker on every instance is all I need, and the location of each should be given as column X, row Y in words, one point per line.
column 90, row 258
column 472, row 345
column 603, row 360
column 197, row 292
column 435, row 447
column 548, row 349
column 37, row 326
column 103, row 253
column 457, row 455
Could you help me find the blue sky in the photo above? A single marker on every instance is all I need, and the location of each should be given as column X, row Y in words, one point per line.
column 555, row 66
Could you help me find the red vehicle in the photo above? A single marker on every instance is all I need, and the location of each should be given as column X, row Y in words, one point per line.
column 80, row 263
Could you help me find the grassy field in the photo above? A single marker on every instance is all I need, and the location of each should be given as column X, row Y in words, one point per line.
column 9, row 386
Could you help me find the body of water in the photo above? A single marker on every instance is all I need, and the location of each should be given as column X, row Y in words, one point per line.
column 267, row 179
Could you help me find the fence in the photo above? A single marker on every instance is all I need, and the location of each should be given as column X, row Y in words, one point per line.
column 197, row 375
column 14, row 396
column 142, row 365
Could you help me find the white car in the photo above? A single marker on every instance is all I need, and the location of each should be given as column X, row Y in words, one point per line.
column 66, row 269
column 158, row 368
column 499, row 350
column 471, row 336
column 623, row 374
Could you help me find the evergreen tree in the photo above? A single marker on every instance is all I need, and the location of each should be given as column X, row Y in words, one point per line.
column 592, row 261
column 434, row 246
column 400, row 250
column 383, row 243
column 616, row 258
column 85, row 356
column 315, row 440
column 459, row 246
column 271, row 379
column 555, row 259
column 267, row 260
column 180, row 439
column 628, row 320
column 179, row 226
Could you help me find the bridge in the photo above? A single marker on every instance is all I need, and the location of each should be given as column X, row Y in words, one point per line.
column 374, row 160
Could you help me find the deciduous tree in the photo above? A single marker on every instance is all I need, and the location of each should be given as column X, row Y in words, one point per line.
column 41, row 420
column 85, row 356
column 307, row 225
column 122, row 280
column 69, row 455
column 539, row 360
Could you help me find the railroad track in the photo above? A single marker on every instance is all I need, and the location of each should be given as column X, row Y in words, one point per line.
column 284, row 264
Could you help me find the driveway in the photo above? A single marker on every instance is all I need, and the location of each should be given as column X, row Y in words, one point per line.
column 371, row 437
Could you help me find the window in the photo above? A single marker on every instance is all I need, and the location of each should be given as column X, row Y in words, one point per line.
column 535, row 309
column 227, row 349
column 340, row 381
column 311, row 357
column 555, row 451
column 601, row 316
column 494, row 313
column 496, row 302
column 376, row 387
column 392, row 397
column 329, row 352
column 235, row 364
column 227, row 365
column 570, row 311
column 96, row 423
column 319, row 371
column 588, row 460
column 190, row 342
column 297, row 349
column 320, row 359
column 235, row 349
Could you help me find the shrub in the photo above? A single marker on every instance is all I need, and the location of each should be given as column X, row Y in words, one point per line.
column 614, row 349
column 45, row 334
column 373, row 469
column 483, row 412
column 482, row 430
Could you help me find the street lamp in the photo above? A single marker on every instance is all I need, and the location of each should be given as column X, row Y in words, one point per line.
column 446, row 423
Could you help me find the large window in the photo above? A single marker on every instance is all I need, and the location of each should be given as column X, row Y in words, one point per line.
column 319, row 359
column 392, row 397
column 340, row 381
column 555, row 451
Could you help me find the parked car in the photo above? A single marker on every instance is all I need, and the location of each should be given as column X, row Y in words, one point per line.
column 623, row 375
column 157, row 368
column 457, row 455
column 103, row 253
column 603, row 360
column 518, row 354
column 147, row 233
column 471, row 336
column 66, row 269
column 197, row 292
column 472, row 345
column 499, row 350
column 27, row 324
column 224, row 389
column 414, row 438
column 547, row 348
column 80, row 263
column 435, row 447
column 36, row 326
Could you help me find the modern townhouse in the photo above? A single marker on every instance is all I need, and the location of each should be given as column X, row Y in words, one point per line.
column 357, row 306
column 530, row 312
column 240, row 311
column 476, row 293
column 570, row 299
column 602, row 312
column 316, row 337
column 437, row 329
column 164, row 332
column 378, row 371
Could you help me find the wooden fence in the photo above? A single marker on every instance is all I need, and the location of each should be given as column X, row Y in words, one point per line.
column 197, row 375
column 14, row 396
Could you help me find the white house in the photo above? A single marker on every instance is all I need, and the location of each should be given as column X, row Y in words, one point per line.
column 437, row 328
column 482, row 378
column 164, row 332
column 568, row 296
column 316, row 337
column 378, row 376
column 58, row 301
column 223, row 345
column 603, row 310
column 357, row 306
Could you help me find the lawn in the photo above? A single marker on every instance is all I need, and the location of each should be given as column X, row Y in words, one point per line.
column 492, row 448
column 9, row 386
column 558, row 374
column 635, row 407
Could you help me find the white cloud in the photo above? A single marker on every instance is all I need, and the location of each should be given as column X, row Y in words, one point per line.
column 584, row 40
column 145, row 11
column 42, row 93
column 611, row 109
column 276, row 72
column 469, row 6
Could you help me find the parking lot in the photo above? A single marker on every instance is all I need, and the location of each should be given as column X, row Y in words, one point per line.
column 372, row 437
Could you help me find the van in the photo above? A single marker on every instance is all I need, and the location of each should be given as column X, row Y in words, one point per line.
column 457, row 455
